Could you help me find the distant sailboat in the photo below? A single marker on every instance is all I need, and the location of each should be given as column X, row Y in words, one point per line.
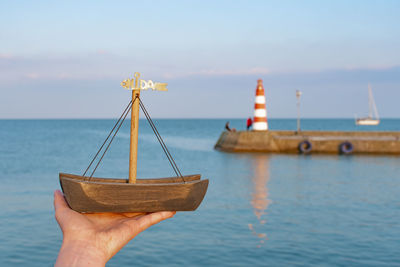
column 373, row 117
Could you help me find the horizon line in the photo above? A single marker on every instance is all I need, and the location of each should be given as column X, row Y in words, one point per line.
column 201, row 118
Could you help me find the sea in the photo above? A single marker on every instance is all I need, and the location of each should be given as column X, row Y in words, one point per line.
column 260, row 209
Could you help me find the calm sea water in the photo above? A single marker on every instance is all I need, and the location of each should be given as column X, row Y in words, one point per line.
column 260, row 209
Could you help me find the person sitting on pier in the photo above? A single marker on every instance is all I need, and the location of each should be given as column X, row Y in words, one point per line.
column 229, row 128
column 249, row 123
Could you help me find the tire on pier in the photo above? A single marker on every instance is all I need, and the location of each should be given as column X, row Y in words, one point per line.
column 305, row 147
column 346, row 148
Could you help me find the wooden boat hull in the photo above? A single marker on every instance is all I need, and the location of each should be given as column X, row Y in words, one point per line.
column 147, row 195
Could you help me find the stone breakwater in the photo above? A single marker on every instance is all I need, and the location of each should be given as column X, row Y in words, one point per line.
column 332, row 142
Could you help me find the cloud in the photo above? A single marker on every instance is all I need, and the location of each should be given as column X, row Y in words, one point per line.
column 79, row 67
column 218, row 72
column 101, row 65
column 225, row 93
column 228, row 72
column 102, row 52
column 5, row 56
column 370, row 67
column 32, row 75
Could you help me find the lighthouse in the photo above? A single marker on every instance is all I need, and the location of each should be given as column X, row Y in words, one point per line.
column 260, row 112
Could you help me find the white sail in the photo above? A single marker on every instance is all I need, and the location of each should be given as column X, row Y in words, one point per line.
column 373, row 111
column 373, row 116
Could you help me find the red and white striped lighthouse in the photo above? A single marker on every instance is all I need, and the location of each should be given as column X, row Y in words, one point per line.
column 260, row 112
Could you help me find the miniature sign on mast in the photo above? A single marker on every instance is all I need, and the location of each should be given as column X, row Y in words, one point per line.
column 136, row 86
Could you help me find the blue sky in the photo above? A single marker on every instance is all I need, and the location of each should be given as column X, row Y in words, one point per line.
column 66, row 60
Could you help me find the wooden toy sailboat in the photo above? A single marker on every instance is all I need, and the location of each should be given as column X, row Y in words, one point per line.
column 370, row 120
column 90, row 194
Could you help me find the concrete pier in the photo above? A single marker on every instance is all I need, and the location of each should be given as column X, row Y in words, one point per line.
column 321, row 141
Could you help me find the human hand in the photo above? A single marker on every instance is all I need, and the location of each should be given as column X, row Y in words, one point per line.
column 92, row 239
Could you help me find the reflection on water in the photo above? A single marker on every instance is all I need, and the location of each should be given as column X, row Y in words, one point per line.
column 260, row 201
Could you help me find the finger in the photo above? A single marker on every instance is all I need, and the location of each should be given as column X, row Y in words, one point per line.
column 153, row 218
column 133, row 214
column 131, row 227
column 59, row 201
column 136, row 225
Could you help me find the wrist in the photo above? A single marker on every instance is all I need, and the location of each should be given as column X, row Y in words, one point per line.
column 78, row 253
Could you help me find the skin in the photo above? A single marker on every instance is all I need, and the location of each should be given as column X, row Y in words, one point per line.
column 93, row 239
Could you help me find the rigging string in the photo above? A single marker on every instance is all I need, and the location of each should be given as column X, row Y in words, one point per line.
column 119, row 124
column 115, row 133
column 107, row 138
column 161, row 141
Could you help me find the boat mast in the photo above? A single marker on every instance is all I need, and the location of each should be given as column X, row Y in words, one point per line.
column 134, row 131
column 369, row 102
column 372, row 106
column 136, row 86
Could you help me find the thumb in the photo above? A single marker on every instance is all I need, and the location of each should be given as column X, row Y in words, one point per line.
column 59, row 201
column 62, row 210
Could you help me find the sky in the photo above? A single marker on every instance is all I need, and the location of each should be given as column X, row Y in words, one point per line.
column 67, row 59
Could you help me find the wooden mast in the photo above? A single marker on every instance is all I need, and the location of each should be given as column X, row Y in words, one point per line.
column 134, row 131
column 136, row 85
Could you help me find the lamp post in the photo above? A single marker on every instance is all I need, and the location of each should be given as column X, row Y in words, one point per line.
column 298, row 95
